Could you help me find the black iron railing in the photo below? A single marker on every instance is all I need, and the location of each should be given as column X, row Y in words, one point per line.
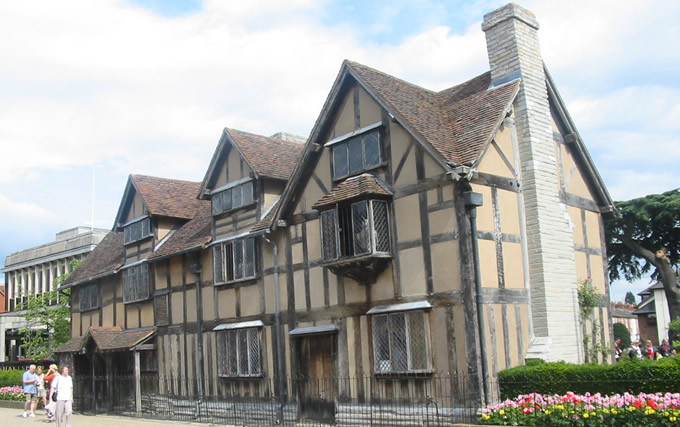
column 428, row 400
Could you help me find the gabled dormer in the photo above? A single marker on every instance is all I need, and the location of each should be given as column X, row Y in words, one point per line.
column 246, row 176
column 152, row 208
column 244, row 180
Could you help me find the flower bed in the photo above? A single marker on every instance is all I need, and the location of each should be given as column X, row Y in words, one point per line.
column 14, row 393
column 586, row 410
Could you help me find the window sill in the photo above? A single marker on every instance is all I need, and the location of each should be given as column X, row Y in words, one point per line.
column 234, row 210
column 85, row 310
column 141, row 239
column 138, row 300
column 372, row 168
column 243, row 377
column 239, row 282
column 363, row 268
column 404, row 374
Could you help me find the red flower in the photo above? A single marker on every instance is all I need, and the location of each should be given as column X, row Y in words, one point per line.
column 652, row 404
column 639, row 404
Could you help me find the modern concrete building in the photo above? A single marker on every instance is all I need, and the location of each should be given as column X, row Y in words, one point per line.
column 32, row 272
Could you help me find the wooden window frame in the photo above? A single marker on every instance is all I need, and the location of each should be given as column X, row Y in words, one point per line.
column 225, row 261
column 338, row 214
column 230, row 189
column 229, row 357
column 409, row 335
column 83, row 292
column 343, row 142
column 137, row 223
column 135, row 273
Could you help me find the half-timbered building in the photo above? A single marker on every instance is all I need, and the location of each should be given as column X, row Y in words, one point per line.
column 414, row 233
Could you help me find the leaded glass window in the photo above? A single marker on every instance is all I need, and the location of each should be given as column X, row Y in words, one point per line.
column 234, row 260
column 400, row 342
column 137, row 230
column 89, row 297
column 136, row 283
column 356, row 154
column 239, row 352
column 232, row 198
column 356, row 229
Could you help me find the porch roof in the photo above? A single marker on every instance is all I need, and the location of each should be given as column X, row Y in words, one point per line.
column 73, row 345
column 107, row 338
column 365, row 184
column 116, row 339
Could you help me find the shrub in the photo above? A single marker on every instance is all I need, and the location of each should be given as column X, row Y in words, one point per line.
column 632, row 376
column 11, row 377
column 622, row 333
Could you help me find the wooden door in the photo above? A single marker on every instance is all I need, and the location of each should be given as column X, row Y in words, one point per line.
column 317, row 385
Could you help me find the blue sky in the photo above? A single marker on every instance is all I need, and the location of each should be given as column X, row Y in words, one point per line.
column 145, row 86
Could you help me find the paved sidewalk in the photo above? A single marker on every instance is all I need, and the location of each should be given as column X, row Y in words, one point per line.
column 12, row 417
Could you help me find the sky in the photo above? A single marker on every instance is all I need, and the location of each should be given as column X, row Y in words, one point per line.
column 97, row 90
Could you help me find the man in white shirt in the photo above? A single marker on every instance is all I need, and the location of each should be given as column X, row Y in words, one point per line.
column 63, row 385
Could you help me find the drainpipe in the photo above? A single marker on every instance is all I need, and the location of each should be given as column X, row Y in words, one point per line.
column 277, row 327
column 196, row 269
column 472, row 200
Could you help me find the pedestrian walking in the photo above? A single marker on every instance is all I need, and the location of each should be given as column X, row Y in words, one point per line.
column 63, row 386
column 51, row 406
column 30, row 391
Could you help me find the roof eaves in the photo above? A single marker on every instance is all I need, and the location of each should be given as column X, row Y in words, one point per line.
column 429, row 148
column 90, row 279
column 307, row 151
column 499, row 121
column 606, row 202
column 123, row 203
column 235, row 144
column 213, row 164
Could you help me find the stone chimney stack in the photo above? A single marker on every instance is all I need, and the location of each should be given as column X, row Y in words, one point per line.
column 513, row 49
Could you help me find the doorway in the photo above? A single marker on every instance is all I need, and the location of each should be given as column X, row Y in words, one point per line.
column 317, row 354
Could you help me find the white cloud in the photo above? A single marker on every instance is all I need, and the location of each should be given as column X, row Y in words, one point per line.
column 12, row 211
column 112, row 84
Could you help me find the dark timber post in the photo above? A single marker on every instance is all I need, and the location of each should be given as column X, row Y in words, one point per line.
column 196, row 269
column 472, row 200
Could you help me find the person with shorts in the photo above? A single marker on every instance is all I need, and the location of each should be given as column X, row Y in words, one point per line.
column 30, row 391
column 40, row 386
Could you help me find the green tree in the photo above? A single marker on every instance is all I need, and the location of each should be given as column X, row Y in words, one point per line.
column 48, row 319
column 645, row 239
column 630, row 298
column 622, row 333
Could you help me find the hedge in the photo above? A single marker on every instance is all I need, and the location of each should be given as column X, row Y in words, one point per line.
column 11, row 377
column 632, row 376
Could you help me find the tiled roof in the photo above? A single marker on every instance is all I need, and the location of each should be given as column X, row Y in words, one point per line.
column 106, row 257
column 270, row 157
column 168, row 197
column 457, row 122
column 352, row 188
column 73, row 345
column 265, row 222
column 194, row 233
column 115, row 338
column 647, row 308
column 107, row 338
